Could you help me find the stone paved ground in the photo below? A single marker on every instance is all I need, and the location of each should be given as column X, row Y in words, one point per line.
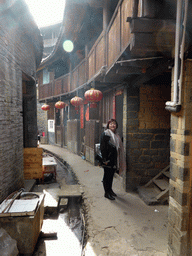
column 126, row 226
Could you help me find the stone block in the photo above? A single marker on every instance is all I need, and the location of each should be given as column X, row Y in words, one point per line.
column 142, row 136
column 132, row 115
column 151, row 152
column 160, row 137
column 137, row 152
column 173, row 131
column 133, row 144
column 183, row 173
column 179, row 197
column 134, row 107
column 144, row 159
column 159, row 144
column 164, row 152
column 144, row 144
column 174, row 122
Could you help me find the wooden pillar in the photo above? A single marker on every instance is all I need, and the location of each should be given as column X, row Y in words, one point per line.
column 62, row 126
column 106, row 14
column 135, row 8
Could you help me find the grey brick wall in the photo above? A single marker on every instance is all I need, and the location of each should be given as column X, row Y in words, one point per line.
column 147, row 143
column 16, row 56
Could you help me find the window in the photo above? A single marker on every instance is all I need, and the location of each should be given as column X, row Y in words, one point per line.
column 45, row 76
column 51, row 125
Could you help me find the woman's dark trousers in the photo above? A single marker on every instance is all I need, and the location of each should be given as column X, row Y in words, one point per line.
column 108, row 179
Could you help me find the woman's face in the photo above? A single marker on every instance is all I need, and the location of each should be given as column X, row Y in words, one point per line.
column 113, row 126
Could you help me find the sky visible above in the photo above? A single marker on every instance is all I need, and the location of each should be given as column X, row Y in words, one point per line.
column 46, row 12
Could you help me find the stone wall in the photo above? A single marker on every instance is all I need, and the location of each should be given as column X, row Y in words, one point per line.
column 42, row 123
column 179, row 219
column 148, row 133
column 16, row 55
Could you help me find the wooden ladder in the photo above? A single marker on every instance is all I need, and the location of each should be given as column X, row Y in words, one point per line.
column 156, row 191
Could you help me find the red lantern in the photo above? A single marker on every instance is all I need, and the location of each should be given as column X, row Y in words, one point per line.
column 60, row 104
column 93, row 96
column 76, row 101
column 45, row 107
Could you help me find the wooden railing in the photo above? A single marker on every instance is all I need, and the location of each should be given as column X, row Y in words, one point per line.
column 118, row 33
column 57, row 87
column 96, row 57
column 106, row 50
column 78, row 76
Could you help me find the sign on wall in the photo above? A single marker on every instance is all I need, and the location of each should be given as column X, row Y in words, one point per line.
column 51, row 125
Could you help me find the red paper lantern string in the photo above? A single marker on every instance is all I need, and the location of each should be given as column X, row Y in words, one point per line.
column 60, row 104
column 45, row 107
column 76, row 101
column 93, row 96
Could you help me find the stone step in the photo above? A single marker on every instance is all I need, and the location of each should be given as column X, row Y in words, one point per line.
column 153, row 195
column 161, row 183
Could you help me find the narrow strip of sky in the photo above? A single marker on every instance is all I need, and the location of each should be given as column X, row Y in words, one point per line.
column 46, row 12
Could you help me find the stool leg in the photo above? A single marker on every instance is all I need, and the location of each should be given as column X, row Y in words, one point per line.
column 55, row 172
column 58, row 205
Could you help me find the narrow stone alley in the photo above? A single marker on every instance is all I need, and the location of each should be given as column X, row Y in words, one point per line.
column 126, row 226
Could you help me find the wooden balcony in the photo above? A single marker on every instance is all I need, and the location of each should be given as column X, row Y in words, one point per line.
column 125, row 38
column 57, row 87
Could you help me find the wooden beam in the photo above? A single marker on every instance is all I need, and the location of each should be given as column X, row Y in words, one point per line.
column 149, row 44
column 135, row 8
column 122, row 70
column 144, row 25
column 153, row 71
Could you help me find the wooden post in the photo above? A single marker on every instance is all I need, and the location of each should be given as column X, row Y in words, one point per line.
column 106, row 14
column 135, row 8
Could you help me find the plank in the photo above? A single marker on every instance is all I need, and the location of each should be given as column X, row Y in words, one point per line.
column 161, row 183
column 20, row 207
column 33, row 163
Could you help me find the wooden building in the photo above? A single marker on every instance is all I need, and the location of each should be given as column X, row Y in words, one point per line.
column 21, row 49
column 137, row 53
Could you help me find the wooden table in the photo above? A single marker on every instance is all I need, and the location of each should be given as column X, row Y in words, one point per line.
column 49, row 166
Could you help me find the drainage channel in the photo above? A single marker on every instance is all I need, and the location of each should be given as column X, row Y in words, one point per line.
column 63, row 232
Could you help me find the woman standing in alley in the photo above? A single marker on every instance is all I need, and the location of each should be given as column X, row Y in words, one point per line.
column 113, row 156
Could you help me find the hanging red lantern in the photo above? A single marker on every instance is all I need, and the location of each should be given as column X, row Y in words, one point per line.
column 45, row 107
column 76, row 101
column 59, row 104
column 93, row 96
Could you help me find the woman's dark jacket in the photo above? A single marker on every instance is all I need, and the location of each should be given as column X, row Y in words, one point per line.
column 108, row 151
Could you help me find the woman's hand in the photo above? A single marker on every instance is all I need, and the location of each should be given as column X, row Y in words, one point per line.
column 106, row 162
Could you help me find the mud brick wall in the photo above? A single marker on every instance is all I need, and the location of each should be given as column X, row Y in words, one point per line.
column 148, row 133
column 16, row 55
column 179, row 217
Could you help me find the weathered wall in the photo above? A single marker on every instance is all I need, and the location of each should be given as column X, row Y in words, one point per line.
column 42, row 125
column 16, row 55
column 73, row 135
column 179, row 219
column 147, row 133
column 30, row 115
